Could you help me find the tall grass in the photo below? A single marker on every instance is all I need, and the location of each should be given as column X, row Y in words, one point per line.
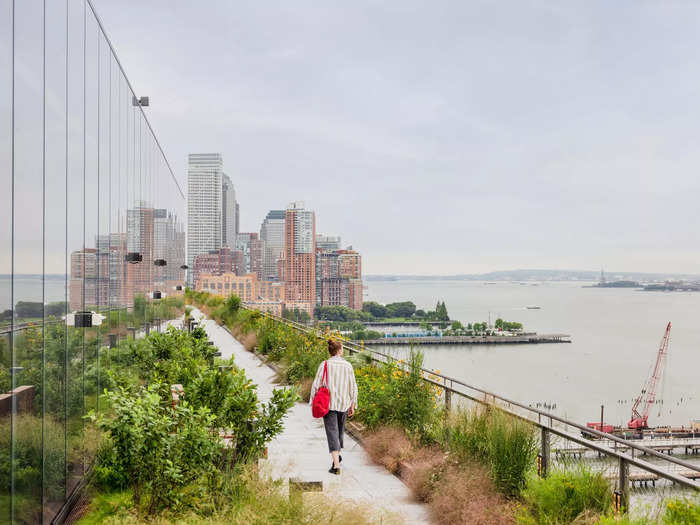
column 564, row 497
column 246, row 499
column 506, row 444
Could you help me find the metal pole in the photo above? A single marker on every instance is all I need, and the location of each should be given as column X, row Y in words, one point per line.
column 624, row 487
column 544, row 452
column 602, row 409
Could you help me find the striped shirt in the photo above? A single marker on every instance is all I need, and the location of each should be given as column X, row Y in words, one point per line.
column 341, row 383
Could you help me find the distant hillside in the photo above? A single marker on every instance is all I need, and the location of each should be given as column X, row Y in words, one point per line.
column 542, row 275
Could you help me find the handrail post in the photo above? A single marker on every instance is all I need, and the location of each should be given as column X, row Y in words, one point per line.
column 448, row 400
column 624, row 484
column 544, row 452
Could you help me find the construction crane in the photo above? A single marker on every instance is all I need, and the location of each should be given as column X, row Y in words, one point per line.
column 648, row 395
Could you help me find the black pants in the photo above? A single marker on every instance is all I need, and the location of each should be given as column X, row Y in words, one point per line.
column 334, row 422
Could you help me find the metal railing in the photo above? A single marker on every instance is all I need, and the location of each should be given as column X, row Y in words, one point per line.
column 625, row 452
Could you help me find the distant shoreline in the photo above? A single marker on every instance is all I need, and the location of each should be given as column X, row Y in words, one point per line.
column 540, row 276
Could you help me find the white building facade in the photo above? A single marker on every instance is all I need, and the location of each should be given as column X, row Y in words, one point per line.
column 205, row 205
column 272, row 233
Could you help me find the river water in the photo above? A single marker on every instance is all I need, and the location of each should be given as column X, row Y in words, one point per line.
column 615, row 338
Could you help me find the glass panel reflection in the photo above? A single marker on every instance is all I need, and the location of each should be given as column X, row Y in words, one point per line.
column 84, row 187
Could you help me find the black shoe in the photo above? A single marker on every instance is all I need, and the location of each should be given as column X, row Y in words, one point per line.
column 340, row 460
column 335, row 471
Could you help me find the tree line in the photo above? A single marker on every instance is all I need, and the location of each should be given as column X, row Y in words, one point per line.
column 373, row 311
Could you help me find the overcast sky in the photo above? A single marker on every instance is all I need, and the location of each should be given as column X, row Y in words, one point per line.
column 440, row 137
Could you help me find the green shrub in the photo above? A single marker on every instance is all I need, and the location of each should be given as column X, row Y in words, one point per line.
column 391, row 394
column 232, row 398
column 157, row 450
column 563, row 496
column 682, row 512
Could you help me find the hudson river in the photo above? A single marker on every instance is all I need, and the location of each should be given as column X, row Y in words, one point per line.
column 615, row 337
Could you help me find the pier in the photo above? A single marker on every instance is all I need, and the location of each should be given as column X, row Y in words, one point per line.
column 474, row 339
column 687, row 446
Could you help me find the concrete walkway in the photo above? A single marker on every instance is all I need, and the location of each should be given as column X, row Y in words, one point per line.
column 301, row 450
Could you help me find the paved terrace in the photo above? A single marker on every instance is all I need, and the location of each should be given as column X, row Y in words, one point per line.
column 301, row 450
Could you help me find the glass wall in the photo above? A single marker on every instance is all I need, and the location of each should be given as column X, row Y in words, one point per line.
column 91, row 239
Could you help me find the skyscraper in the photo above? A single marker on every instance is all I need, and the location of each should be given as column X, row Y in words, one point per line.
column 350, row 268
column 300, row 256
column 327, row 243
column 257, row 253
column 272, row 233
column 243, row 240
column 205, row 205
column 229, row 215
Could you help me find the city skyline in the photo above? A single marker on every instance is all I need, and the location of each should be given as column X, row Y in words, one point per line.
column 555, row 149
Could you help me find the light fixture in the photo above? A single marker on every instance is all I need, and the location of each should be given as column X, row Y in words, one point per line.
column 184, row 267
column 134, row 257
column 141, row 101
column 84, row 319
column 160, row 262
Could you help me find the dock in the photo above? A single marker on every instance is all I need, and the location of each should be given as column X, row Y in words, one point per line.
column 473, row 339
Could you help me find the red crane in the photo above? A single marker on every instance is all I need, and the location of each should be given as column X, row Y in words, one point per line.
column 648, row 395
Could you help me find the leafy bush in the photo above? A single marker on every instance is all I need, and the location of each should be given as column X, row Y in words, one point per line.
column 167, row 455
column 682, row 512
column 232, row 398
column 390, row 394
column 156, row 450
column 563, row 496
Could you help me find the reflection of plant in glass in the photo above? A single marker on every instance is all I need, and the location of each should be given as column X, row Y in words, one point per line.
column 30, row 446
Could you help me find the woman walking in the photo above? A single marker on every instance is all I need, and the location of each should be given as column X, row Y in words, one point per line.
column 343, row 389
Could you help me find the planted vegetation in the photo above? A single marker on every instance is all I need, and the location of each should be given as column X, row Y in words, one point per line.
column 180, row 455
column 473, row 466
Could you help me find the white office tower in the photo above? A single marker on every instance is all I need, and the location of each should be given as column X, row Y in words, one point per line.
column 229, row 216
column 205, row 201
column 272, row 233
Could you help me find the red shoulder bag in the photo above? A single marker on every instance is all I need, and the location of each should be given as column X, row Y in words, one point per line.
column 322, row 398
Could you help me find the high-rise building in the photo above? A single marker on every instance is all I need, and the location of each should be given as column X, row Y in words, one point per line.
column 214, row 262
column 272, row 233
column 238, row 218
column 205, row 205
column 140, row 239
column 243, row 240
column 257, row 253
column 229, row 218
column 89, row 279
column 327, row 243
column 114, row 244
column 350, row 268
column 238, row 263
column 339, row 278
column 328, row 282
column 300, row 256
